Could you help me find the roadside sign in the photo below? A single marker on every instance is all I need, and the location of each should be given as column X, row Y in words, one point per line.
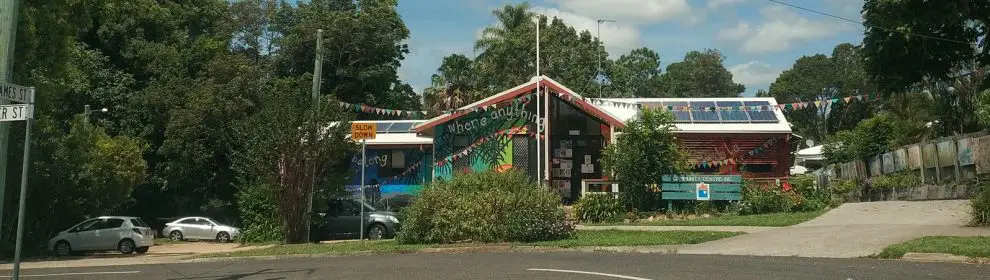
column 361, row 131
column 702, row 191
column 16, row 93
column 18, row 112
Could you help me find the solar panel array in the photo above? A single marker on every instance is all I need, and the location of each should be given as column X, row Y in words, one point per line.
column 394, row 127
column 701, row 111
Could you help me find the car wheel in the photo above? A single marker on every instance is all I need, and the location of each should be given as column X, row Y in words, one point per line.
column 126, row 246
column 62, row 248
column 223, row 237
column 376, row 232
column 175, row 235
column 141, row 250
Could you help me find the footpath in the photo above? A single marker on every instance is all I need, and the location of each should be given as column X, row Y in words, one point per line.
column 159, row 254
column 850, row 231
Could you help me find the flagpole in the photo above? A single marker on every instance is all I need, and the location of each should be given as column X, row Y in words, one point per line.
column 539, row 79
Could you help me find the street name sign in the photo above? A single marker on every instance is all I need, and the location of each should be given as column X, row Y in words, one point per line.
column 17, row 112
column 16, row 93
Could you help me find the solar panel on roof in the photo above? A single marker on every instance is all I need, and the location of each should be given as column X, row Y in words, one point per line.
column 703, row 111
column 679, row 116
column 382, row 127
column 729, row 111
column 763, row 114
column 401, row 127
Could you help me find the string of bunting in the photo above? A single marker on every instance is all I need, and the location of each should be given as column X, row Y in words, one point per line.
column 381, row 111
column 408, row 170
column 787, row 106
column 731, row 160
column 492, row 137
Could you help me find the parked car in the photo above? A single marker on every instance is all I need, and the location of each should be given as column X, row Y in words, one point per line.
column 125, row 234
column 199, row 228
column 342, row 221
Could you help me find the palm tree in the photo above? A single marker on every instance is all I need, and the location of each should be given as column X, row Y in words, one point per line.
column 452, row 87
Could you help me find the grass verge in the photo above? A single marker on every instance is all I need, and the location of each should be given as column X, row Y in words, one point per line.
column 761, row 220
column 963, row 246
column 581, row 239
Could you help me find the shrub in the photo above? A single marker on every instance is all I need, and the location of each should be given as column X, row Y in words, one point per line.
column 597, row 208
column 896, row 180
column 259, row 215
column 762, row 199
column 484, row 207
column 644, row 151
column 980, row 203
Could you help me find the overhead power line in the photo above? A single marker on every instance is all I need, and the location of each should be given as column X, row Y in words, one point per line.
column 867, row 25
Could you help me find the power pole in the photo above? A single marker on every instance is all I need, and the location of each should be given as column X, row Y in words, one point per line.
column 598, row 72
column 8, row 37
column 317, row 79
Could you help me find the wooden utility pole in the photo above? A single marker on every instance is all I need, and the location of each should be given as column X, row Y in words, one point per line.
column 317, row 79
column 8, row 37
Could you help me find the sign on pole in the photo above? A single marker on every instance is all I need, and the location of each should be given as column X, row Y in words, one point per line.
column 17, row 112
column 361, row 131
column 16, row 93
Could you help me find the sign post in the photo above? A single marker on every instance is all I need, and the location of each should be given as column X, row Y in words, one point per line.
column 20, row 112
column 363, row 132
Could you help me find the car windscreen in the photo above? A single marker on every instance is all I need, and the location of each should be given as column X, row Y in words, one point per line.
column 138, row 222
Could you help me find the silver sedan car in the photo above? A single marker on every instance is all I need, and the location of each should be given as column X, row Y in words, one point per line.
column 199, row 228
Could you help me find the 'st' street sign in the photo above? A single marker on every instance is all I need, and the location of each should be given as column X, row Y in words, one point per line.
column 16, row 93
column 17, row 112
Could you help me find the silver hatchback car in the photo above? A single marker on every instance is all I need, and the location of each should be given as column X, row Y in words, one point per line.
column 199, row 228
column 125, row 234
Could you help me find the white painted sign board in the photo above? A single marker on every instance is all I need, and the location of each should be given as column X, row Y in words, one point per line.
column 16, row 93
column 17, row 112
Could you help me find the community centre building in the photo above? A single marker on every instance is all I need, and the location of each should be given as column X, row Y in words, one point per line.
column 746, row 136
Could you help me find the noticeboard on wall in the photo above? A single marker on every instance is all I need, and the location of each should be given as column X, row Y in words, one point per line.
column 947, row 153
column 965, row 152
column 982, row 157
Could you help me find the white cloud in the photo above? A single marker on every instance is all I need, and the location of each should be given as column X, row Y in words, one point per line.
column 619, row 38
column 754, row 74
column 715, row 4
column 631, row 11
column 736, row 33
column 781, row 31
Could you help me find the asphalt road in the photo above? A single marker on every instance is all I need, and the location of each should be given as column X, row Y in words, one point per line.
column 530, row 265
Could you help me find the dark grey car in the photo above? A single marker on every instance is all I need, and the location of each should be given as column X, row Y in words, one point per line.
column 341, row 221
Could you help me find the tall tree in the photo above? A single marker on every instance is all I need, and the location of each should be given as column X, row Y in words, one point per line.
column 823, row 78
column 637, row 74
column 453, row 86
column 363, row 47
column 507, row 52
column 701, row 74
column 914, row 41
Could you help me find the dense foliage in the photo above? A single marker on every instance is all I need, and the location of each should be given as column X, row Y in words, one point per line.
column 980, row 203
column 598, row 208
column 484, row 207
column 802, row 195
column 644, row 150
column 183, row 81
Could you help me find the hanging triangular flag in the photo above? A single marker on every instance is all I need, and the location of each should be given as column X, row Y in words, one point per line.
column 847, row 98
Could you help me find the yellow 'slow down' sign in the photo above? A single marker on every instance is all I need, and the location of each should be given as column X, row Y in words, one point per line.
column 360, row 131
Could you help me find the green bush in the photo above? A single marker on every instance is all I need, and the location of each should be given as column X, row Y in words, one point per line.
column 484, row 207
column 597, row 208
column 896, row 180
column 259, row 214
column 763, row 199
column 980, row 203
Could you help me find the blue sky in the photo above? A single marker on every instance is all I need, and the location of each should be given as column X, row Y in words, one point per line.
column 758, row 37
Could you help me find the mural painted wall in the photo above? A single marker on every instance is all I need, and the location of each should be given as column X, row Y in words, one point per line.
column 478, row 141
column 392, row 176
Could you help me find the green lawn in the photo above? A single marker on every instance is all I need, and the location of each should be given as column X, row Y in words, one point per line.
column 762, row 220
column 963, row 246
column 582, row 238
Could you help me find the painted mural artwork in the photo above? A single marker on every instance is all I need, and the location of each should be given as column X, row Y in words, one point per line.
column 496, row 154
column 965, row 152
column 392, row 176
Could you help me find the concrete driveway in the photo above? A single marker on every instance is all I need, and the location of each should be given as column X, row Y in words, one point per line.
column 851, row 230
column 158, row 254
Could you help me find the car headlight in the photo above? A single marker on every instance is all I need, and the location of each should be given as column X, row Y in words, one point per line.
column 393, row 219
